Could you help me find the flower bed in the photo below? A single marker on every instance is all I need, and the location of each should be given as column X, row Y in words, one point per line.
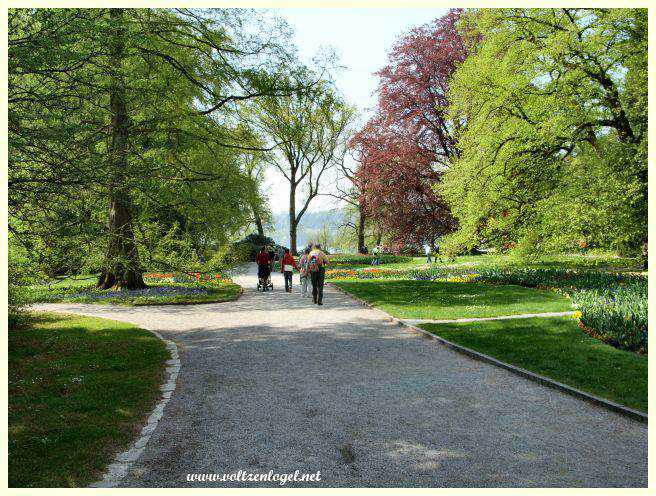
column 361, row 260
column 163, row 288
column 368, row 273
column 612, row 306
column 186, row 278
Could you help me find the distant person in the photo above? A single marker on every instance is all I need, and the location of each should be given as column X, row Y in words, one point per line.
column 303, row 269
column 436, row 255
column 287, row 266
column 272, row 255
column 317, row 269
column 281, row 253
column 427, row 250
column 365, row 250
column 376, row 254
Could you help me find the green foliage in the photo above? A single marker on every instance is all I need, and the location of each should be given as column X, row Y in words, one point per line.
column 613, row 305
column 18, row 279
column 307, row 132
column 179, row 170
column 246, row 249
column 618, row 316
column 554, row 131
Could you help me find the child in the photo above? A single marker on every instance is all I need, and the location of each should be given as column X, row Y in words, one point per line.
column 287, row 265
column 303, row 264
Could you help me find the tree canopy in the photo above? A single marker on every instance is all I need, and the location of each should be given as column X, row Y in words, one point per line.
column 137, row 108
column 406, row 146
column 553, row 153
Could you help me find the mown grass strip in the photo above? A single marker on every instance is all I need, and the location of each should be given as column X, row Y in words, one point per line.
column 452, row 300
column 79, row 387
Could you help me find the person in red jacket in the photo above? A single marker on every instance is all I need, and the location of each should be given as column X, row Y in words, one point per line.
column 263, row 266
column 287, row 266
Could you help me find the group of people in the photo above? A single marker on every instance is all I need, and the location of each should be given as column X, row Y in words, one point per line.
column 311, row 266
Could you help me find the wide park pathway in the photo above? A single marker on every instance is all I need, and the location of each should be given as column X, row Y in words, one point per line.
column 273, row 382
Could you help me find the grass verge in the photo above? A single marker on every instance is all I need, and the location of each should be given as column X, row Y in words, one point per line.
column 557, row 348
column 79, row 388
column 453, row 300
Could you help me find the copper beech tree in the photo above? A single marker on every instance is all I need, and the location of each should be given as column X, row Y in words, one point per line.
column 405, row 147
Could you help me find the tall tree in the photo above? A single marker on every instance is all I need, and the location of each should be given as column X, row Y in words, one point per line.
column 254, row 166
column 121, row 268
column 554, row 152
column 309, row 130
column 348, row 187
column 409, row 142
column 130, row 107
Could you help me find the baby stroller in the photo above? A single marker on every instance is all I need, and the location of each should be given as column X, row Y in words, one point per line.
column 264, row 278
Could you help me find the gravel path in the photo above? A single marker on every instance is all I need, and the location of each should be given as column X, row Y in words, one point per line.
column 272, row 382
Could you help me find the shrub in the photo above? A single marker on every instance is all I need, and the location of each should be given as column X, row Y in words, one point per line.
column 251, row 244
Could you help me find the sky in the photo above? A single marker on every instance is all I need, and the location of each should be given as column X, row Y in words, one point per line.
column 362, row 38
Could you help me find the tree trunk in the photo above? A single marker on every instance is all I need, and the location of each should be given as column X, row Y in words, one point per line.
column 258, row 223
column 292, row 217
column 361, row 228
column 121, row 269
column 379, row 236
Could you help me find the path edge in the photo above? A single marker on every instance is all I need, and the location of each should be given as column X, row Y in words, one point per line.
column 527, row 374
column 116, row 471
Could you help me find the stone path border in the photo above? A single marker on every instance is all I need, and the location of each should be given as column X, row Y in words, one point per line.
column 123, row 461
column 540, row 379
column 481, row 319
column 118, row 469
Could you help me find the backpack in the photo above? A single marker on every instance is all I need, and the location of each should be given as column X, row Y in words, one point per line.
column 313, row 264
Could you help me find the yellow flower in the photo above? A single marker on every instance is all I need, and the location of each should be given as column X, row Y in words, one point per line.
column 576, row 315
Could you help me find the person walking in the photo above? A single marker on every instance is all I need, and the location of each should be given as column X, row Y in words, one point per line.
column 303, row 270
column 263, row 267
column 427, row 250
column 317, row 268
column 437, row 256
column 287, row 265
column 376, row 253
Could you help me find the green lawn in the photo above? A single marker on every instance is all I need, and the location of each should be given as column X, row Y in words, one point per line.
column 78, row 389
column 557, row 348
column 591, row 261
column 451, row 300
